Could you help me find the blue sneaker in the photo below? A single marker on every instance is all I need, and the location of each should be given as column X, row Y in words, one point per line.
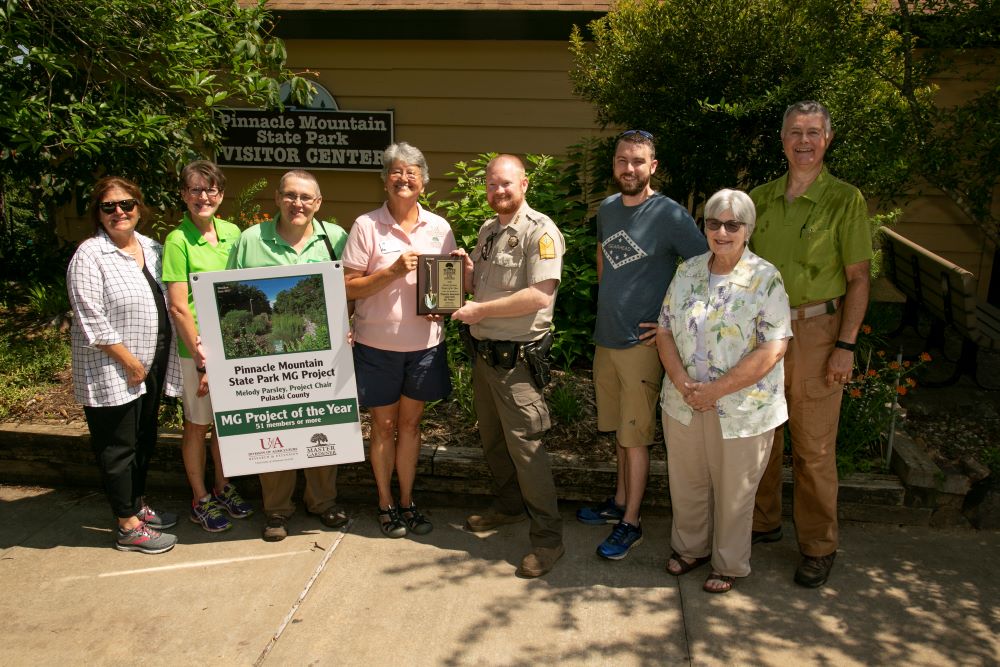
column 231, row 501
column 622, row 540
column 209, row 514
column 606, row 512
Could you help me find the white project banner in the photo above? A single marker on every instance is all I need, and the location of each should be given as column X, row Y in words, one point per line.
column 280, row 371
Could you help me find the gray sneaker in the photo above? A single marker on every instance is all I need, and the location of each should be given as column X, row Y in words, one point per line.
column 145, row 539
column 156, row 520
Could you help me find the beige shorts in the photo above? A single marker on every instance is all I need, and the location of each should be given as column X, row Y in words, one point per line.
column 197, row 409
column 627, row 384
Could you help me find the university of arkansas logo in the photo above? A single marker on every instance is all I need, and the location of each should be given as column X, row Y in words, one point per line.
column 271, row 443
column 320, row 445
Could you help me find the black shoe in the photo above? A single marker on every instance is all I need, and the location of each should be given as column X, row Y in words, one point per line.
column 758, row 536
column 813, row 571
column 391, row 523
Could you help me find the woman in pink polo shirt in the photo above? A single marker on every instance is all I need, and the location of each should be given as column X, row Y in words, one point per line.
column 399, row 357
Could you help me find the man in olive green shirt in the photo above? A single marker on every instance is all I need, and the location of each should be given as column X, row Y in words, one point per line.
column 294, row 236
column 814, row 228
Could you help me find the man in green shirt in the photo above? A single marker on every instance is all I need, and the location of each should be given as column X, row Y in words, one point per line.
column 814, row 228
column 294, row 236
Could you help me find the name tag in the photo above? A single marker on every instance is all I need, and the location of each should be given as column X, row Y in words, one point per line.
column 388, row 247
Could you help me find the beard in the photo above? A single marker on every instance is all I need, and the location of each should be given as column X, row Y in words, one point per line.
column 505, row 204
column 633, row 186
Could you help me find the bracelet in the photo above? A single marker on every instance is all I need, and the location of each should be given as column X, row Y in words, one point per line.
column 845, row 346
column 200, row 369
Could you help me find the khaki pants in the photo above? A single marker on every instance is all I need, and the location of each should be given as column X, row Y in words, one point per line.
column 712, row 486
column 813, row 417
column 278, row 487
column 512, row 416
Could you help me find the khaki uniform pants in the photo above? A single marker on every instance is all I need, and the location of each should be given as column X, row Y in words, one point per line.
column 813, row 416
column 512, row 417
column 712, row 486
column 278, row 487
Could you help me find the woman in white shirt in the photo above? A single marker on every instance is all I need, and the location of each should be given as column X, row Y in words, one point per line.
column 122, row 352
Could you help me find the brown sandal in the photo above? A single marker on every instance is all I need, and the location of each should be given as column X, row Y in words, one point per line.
column 728, row 583
column 686, row 566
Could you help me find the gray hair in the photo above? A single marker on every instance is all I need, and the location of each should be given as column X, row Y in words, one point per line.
column 807, row 108
column 736, row 201
column 407, row 154
column 301, row 174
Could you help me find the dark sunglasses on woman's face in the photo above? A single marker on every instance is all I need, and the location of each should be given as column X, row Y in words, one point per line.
column 732, row 226
column 125, row 204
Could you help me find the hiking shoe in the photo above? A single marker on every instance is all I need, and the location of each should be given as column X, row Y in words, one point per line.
column 156, row 520
column 606, row 512
column 332, row 517
column 539, row 561
column 276, row 528
column 416, row 522
column 231, row 501
column 813, row 571
column 145, row 539
column 490, row 519
column 758, row 536
column 391, row 523
column 209, row 514
column 623, row 539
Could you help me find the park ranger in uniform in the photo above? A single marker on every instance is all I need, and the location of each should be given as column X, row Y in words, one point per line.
column 515, row 271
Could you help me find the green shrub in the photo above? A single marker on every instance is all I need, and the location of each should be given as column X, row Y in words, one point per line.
column 48, row 300
column 28, row 365
column 288, row 328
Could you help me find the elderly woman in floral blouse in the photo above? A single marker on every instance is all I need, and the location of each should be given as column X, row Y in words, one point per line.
column 723, row 329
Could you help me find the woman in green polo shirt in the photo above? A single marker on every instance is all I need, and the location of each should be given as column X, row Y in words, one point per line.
column 201, row 242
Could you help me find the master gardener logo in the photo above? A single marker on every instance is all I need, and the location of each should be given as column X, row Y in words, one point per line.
column 320, row 445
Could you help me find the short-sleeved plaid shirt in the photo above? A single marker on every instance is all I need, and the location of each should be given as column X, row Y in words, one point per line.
column 112, row 304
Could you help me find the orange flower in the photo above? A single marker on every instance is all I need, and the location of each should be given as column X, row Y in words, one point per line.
column 925, row 357
column 906, row 364
column 894, row 365
column 881, row 353
column 871, row 372
column 911, row 382
column 855, row 393
column 901, row 390
column 866, row 329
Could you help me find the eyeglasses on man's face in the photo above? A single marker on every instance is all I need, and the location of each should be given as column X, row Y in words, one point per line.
column 126, row 205
column 732, row 226
column 292, row 197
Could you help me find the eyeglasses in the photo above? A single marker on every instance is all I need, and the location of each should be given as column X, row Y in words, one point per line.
column 126, row 205
column 732, row 226
column 409, row 174
column 197, row 192
column 642, row 133
column 291, row 198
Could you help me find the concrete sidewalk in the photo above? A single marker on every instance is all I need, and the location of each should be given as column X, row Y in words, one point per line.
column 913, row 596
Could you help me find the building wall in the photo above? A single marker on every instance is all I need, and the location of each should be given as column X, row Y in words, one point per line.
column 452, row 99
column 929, row 217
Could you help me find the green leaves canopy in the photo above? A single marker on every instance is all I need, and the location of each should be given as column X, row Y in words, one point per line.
column 126, row 87
column 711, row 78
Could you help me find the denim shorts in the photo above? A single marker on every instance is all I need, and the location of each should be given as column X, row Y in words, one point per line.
column 383, row 376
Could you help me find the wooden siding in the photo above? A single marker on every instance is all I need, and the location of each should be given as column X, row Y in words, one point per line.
column 453, row 100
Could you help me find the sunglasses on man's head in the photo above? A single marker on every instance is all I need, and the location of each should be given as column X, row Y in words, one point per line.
column 641, row 133
column 125, row 204
column 732, row 226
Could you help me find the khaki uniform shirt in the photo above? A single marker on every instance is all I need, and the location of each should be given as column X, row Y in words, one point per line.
column 527, row 251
